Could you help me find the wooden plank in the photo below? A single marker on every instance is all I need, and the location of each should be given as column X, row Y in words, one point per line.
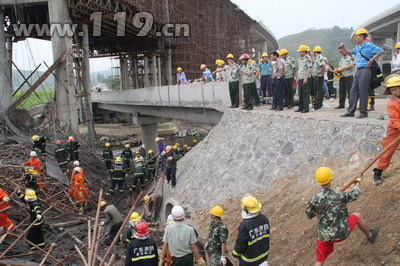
column 36, row 84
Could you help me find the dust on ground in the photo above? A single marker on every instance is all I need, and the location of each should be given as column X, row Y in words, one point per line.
column 294, row 236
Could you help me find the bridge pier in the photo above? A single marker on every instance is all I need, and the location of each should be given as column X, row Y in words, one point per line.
column 5, row 68
column 148, row 126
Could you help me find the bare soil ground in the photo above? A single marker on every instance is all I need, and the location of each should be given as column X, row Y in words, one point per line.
column 294, row 236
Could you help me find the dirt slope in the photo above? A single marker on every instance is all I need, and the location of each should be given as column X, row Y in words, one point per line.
column 293, row 236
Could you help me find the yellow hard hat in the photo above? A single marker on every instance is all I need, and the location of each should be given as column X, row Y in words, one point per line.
column 230, row 56
column 397, row 46
column 251, row 204
column 323, row 175
column 391, row 81
column 220, row 63
column 150, row 151
column 264, row 55
column 203, row 66
column 168, row 148
column 217, row 211
column 118, row 159
column 361, row 31
column 157, row 140
column 317, row 49
column 325, row 59
column 254, row 62
column 185, row 146
column 146, row 199
column 302, row 48
column 108, row 144
column 32, row 171
column 30, row 194
column 127, row 145
column 35, row 137
column 177, row 144
column 179, row 69
column 284, row 51
column 194, row 141
column 137, row 152
column 103, row 203
column 135, row 217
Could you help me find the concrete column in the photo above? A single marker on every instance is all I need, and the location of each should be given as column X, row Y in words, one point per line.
column 154, row 82
column 135, row 72
column 265, row 47
column 159, row 71
column 5, row 75
column 146, row 72
column 168, row 66
column 398, row 31
column 10, row 54
column 149, row 133
column 86, row 86
column 123, row 72
column 59, row 13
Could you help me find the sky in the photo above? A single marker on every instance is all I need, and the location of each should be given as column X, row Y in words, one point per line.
column 282, row 17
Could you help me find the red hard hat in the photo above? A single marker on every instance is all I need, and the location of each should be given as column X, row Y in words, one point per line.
column 58, row 141
column 245, row 56
column 141, row 229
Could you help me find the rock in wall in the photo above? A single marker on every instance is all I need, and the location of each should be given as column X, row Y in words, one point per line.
column 247, row 151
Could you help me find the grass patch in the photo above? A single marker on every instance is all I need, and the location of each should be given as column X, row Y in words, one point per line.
column 33, row 99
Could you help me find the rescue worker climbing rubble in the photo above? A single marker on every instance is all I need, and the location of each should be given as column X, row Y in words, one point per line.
column 73, row 149
column 117, row 177
column 138, row 175
column 60, row 154
column 217, row 237
column 113, row 217
column 5, row 223
column 39, row 144
column 126, row 156
column 35, row 233
column 151, row 165
column 133, row 220
column 252, row 243
column 108, row 156
column 334, row 222
column 78, row 189
column 170, row 171
column 31, row 176
column 393, row 129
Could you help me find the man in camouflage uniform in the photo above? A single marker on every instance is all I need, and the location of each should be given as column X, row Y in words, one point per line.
column 217, row 237
column 334, row 222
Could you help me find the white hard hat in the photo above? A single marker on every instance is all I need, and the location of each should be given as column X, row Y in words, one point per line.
column 76, row 163
column 178, row 213
column 33, row 153
column 77, row 169
column 170, row 219
column 143, row 146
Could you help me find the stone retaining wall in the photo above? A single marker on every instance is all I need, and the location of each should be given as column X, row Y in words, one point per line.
column 247, row 151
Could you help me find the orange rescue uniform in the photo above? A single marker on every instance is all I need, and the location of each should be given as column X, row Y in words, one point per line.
column 35, row 163
column 4, row 220
column 78, row 189
column 392, row 132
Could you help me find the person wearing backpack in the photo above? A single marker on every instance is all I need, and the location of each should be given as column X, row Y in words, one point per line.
column 360, row 88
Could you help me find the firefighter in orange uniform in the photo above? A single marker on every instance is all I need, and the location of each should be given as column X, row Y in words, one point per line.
column 78, row 188
column 5, row 222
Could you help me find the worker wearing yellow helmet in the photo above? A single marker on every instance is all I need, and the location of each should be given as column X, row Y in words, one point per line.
column 171, row 166
column 392, row 131
column 117, row 174
column 334, row 222
column 152, row 206
column 107, row 156
column 395, row 63
column 133, row 220
column 219, row 72
column 265, row 79
column 126, row 156
column 217, row 237
column 290, row 72
column 180, row 76
column 252, row 243
column 206, row 74
column 318, row 72
column 366, row 54
column 151, row 162
column 39, row 144
column 231, row 72
column 304, row 63
column 35, row 233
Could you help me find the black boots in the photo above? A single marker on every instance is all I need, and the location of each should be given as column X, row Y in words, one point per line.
column 378, row 176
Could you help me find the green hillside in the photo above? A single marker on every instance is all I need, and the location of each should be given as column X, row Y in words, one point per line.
column 328, row 39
